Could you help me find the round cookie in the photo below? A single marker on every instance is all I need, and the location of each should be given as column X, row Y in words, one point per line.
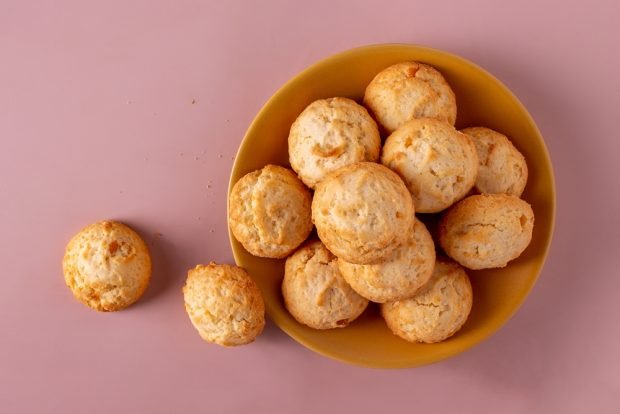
column 224, row 304
column 329, row 134
column 502, row 168
column 107, row 266
column 407, row 91
column 438, row 163
column 360, row 212
column 315, row 292
column 401, row 275
column 269, row 212
column 437, row 312
column 486, row 231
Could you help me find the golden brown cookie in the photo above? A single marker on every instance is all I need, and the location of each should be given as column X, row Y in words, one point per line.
column 401, row 275
column 438, row 163
column 407, row 91
column 269, row 212
column 360, row 212
column 502, row 168
column 107, row 266
column 329, row 134
column 487, row 231
column 315, row 292
column 437, row 312
column 224, row 304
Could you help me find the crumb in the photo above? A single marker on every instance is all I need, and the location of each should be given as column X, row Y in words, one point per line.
column 198, row 218
column 219, row 155
column 228, row 120
column 157, row 235
column 208, row 185
column 196, row 158
column 193, row 101
column 232, row 158
column 211, row 230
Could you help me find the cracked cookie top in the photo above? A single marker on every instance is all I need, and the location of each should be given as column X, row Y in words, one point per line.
column 438, row 163
column 502, row 168
column 107, row 266
column 437, row 312
column 224, row 304
column 402, row 273
column 270, row 212
column 315, row 292
column 409, row 90
column 486, row 231
column 362, row 212
column 329, row 134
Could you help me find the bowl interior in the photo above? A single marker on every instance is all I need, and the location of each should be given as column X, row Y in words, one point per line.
column 482, row 101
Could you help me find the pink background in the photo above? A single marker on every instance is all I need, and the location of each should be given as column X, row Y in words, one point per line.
column 97, row 121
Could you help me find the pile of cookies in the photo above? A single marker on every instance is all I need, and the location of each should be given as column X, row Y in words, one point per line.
column 362, row 196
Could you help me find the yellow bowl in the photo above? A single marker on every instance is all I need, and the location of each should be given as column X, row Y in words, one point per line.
column 482, row 101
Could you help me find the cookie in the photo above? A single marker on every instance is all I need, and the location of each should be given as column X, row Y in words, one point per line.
column 329, row 134
column 438, row 163
column 269, row 212
column 360, row 212
column 224, row 304
column 315, row 292
column 107, row 266
column 486, row 231
column 401, row 275
column 407, row 91
column 502, row 168
column 437, row 312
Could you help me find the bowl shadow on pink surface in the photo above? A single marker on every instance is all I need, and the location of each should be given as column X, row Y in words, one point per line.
column 536, row 341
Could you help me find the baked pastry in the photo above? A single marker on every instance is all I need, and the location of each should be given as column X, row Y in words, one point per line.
column 401, row 275
column 107, row 266
column 329, row 134
column 407, row 91
column 437, row 312
column 486, row 231
column 269, row 212
column 315, row 292
column 360, row 212
column 438, row 163
column 502, row 168
column 224, row 304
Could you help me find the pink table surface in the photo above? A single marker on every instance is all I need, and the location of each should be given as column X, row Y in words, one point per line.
column 133, row 110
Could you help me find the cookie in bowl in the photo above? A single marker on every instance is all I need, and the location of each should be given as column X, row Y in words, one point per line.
column 502, row 168
column 438, row 311
column 409, row 90
column 360, row 212
column 329, row 134
column 315, row 292
column 269, row 212
column 438, row 163
column 487, row 230
column 400, row 275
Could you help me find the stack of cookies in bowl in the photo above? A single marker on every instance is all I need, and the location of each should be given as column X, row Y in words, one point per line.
column 369, row 198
